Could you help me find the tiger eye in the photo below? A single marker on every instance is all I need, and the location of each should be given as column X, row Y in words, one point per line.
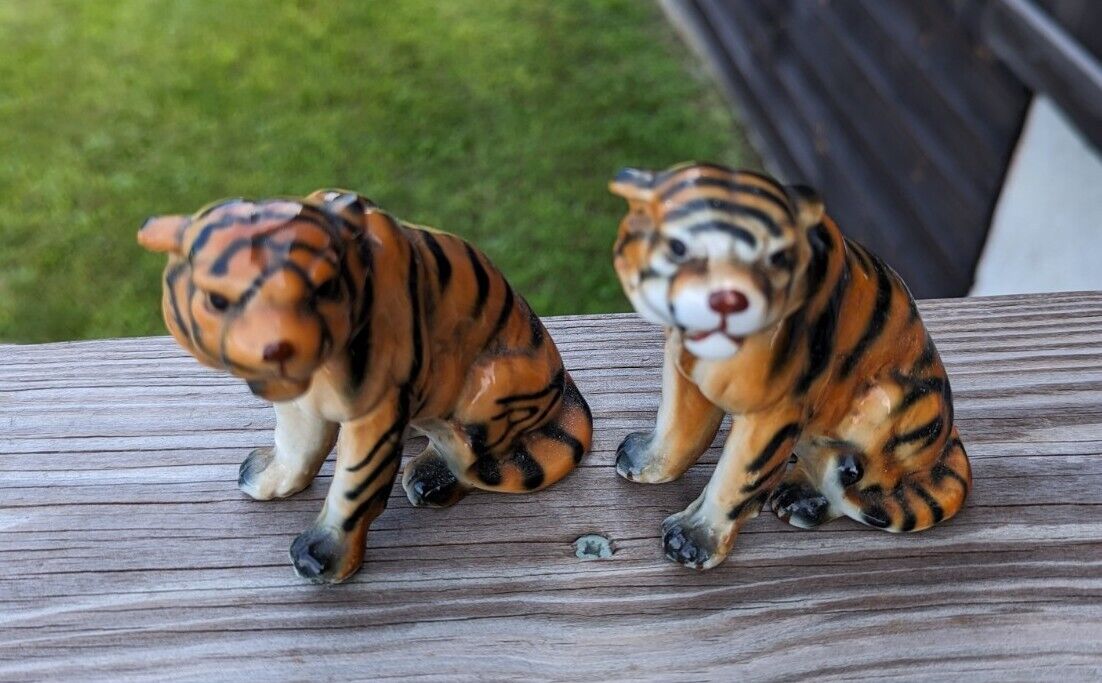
column 218, row 302
column 678, row 248
column 781, row 259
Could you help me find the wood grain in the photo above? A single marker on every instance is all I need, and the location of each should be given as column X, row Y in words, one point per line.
column 128, row 554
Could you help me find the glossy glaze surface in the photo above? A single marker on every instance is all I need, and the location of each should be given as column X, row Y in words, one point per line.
column 358, row 325
column 840, row 402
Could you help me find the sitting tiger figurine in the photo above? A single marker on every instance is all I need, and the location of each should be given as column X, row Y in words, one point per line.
column 357, row 325
column 810, row 341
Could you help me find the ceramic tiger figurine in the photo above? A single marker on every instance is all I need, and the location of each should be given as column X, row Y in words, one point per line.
column 358, row 325
column 810, row 341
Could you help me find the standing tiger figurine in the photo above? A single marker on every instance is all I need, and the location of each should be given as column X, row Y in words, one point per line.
column 358, row 325
column 810, row 341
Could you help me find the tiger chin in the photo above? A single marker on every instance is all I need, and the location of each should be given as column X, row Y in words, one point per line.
column 357, row 326
column 840, row 403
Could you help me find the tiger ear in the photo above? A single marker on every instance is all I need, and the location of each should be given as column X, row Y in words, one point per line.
column 163, row 233
column 809, row 206
column 345, row 203
column 634, row 185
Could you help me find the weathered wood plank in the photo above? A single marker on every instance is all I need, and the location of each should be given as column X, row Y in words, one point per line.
column 128, row 554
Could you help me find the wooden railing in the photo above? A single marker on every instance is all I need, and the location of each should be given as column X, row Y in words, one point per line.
column 126, row 552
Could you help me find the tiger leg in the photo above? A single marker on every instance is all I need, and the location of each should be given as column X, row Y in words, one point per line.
column 487, row 452
column 368, row 453
column 753, row 461
column 898, row 464
column 687, row 423
column 915, row 500
column 797, row 499
column 302, row 441
column 542, row 454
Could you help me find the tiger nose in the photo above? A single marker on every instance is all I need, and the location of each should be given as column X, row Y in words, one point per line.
column 728, row 301
column 277, row 352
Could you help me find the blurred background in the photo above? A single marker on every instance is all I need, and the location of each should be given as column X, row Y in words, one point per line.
column 958, row 138
column 499, row 120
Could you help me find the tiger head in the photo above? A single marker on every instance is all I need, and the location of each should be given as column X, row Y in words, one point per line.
column 264, row 289
column 714, row 252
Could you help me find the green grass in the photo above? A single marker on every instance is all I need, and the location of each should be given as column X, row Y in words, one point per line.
column 499, row 120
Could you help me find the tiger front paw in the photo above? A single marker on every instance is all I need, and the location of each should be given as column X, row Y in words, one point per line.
column 801, row 505
column 323, row 554
column 635, row 462
column 262, row 477
column 691, row 542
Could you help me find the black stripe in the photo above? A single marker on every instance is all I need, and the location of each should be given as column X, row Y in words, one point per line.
column 258, row 283
column 506, row 308
column 330, row 221
column 736, row 231
column 555, row 432
column 381, row 497
column 443, row 265
column 170, row 287
column 787, row 340
column 874, row 515
column 939, row 472
column 531, row 418
column 751, row 503
column 555, row 385
column 929, row 354
column 535, row 327
column 916, row 389
column 391, row 459
column 393, row 432
column 909, row 520
column 481, row 278
column 733, row 186
column 822, row 246
column 528, row 410
column 221, row 264
column 821, row 340
column 795, row 326
column 928, row 433
column 530, row 469
column 195, row 332
column 859, row 256
column 877, row 319
column 476, row 434
column 359, row 342
column 782, row 435
column 417, row 360
column 573, row 397
column 231, row 219
column 935, row 507
column 698, row 205
column 486, row 466
column 757, row 483
column 511, row 426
